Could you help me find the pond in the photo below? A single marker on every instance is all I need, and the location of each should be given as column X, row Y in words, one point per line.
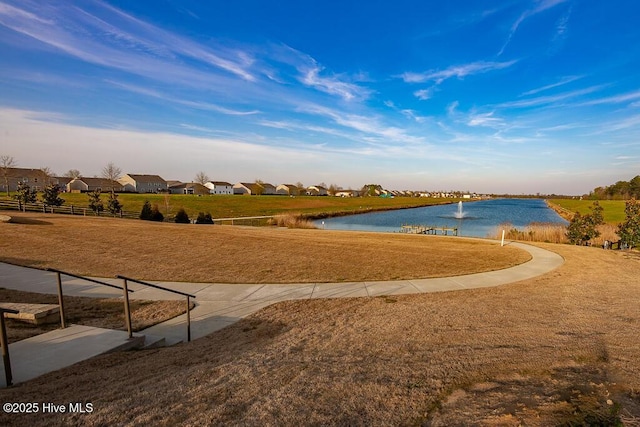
column 476, row 219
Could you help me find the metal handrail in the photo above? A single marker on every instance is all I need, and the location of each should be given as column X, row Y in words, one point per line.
column 128, row 279
column 127, row 311
column 5, row 345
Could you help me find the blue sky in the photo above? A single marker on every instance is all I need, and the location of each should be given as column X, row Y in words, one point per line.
column 489, row 96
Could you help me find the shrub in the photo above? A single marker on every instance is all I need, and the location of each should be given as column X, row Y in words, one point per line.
column 51, row 195
column 156, row 215
column 182, row 217
column 583, row 228
column 629, row 230
column 113, row 204
column 204, row 218
column 146, row 213
column 95, row 204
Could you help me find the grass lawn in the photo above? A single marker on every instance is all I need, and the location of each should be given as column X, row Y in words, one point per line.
column 237, row 206
column 613, row 210
column 227, row 254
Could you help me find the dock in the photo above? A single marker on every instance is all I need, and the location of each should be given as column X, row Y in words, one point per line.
column 428, row 229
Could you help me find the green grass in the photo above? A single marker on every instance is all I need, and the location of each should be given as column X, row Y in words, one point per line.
column 613, row 210
column 241, row 206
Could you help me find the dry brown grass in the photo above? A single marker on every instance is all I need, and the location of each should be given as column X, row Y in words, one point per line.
column 186, row 252
column 552, row 233
column 546, row 351
column 291, row 221
column 98, row 312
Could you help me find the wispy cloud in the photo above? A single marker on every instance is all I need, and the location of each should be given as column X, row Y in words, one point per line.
column 188, row 103
column 423, row 94
column 459, row 71
column 551, row 99
column 617, row 99
column 120, row 41
column 541, row 6
column 561, row 82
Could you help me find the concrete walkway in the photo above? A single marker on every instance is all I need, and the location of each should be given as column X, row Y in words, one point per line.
column 219, row 305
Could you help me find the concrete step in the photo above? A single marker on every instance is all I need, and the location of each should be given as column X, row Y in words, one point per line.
column 58, row 349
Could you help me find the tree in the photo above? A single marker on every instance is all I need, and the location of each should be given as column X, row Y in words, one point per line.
column 113, row 204
column 259, row 187
column 111, row 172
column 583, row 228
column 333, row 189
column 182, row 217
column 629, row 230
column 146, row 213
column 6, row 163
column 73, row 174
column 51, row 195
column 95, row 204
column 201, row 178
column 25, row 194
column 204, row 218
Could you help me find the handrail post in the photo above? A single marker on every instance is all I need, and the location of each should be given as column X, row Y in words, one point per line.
column 61, row 301
column 188, row 321
column 5, row 346
column 127, row 310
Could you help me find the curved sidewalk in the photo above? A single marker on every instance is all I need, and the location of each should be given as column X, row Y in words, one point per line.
column 219, row 305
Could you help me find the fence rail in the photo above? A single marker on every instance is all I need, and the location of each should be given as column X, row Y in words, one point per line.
column 69, row 210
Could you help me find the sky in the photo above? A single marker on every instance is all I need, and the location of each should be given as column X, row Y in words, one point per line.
column 510, row 96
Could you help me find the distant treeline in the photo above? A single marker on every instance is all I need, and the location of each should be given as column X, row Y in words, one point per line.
column 621, row 190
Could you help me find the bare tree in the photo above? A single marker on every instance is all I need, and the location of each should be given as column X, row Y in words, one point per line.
column 73, row 173
column 46, row 174
column 259, row 187
column 6, row 163
column 201, row 178
column 111, row 172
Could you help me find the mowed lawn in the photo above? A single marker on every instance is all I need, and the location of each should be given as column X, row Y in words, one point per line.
column 613, row 210
column 230, row 254
column 225, row 206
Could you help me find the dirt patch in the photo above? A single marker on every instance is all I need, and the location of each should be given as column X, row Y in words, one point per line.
column 553, row 350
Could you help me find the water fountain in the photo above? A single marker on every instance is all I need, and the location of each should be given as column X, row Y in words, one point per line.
column 459, row 214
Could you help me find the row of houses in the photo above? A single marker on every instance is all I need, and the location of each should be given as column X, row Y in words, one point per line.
column 140, row 183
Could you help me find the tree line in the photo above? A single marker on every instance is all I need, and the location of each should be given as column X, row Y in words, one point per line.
column 621, row 190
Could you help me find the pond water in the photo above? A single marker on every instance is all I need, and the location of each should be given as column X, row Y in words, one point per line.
column 478, row 218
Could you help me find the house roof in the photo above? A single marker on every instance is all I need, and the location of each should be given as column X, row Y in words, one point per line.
column 220, row 183
column 24, row 173
column 146, row 178
column 98, row 182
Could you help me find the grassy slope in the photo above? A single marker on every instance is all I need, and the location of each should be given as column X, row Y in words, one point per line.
column 546, row 351
column 613, row 209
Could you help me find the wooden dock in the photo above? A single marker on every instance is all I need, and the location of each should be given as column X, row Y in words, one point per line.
column 428, row 229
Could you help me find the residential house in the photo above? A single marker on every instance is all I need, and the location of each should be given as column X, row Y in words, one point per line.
column 219, row 187
column 254, row 188
column 83, row 185
column 34, row 178
column 245, row 188
column 316, row 190
column 143, row 183
column 188, row 188
column 287, row 190
column 347, row 193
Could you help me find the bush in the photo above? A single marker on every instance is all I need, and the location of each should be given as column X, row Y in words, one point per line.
column 583, row 228
column 182, row 217
column 204, row 218
column 146, row 213
column 629, row 230
column 156, row 215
